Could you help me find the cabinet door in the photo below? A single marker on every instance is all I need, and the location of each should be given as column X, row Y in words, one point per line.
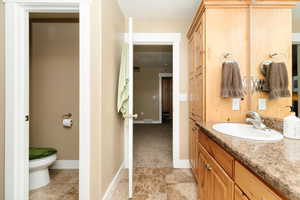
column 197, row 50
column 239, row 195
column 191, row 56
column 192, row 96
column 222, row 186
column 218, row 186
column 199, row 97
column 202, row 176
column 194, row 149
column 191, row 75
column 252, row 186
column 191, row 142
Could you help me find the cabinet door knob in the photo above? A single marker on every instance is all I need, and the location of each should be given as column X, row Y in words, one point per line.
column 208, row 167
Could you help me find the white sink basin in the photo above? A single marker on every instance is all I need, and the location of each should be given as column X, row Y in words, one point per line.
column 247, row 132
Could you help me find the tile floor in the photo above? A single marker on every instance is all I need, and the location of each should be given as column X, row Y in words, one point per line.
column 63, row 186
column 158, row 184
column 154, row 177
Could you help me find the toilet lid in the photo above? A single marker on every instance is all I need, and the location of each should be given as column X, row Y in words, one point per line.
column 37, row 152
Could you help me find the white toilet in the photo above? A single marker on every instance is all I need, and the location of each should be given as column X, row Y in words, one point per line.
column 38, row 168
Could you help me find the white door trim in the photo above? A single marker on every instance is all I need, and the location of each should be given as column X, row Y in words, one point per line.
column 296, row 40
column 174, row 40
column 16, row 95
column 161, row 75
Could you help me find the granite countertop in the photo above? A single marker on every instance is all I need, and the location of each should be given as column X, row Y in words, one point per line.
column 277, row 163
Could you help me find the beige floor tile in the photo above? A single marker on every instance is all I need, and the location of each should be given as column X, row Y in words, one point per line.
column 63, row 186
column 182, row 191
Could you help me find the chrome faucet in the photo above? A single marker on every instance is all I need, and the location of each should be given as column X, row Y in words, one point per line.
column 255, row 119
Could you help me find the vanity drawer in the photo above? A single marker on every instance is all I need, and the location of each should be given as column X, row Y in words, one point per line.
column 251, row 185
column 225, row 160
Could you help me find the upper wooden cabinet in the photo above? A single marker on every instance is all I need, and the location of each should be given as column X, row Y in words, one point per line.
column 250, row 31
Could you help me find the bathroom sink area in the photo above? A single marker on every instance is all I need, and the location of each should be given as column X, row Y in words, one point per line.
column 247, row 132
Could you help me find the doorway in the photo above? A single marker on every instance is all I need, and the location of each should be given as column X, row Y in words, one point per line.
column 54, row 105
column 17, row 93
column 153, row 102
column 296, row 79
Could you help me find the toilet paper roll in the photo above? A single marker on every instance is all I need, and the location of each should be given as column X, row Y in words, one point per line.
column 67, row 123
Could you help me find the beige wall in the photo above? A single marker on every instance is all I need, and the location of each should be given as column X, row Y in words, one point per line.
column 174, row 26
column 1, row 101
column 54, row 87
column 112, row 154
column 146, row 86
column 296, row 19
column 296, row 25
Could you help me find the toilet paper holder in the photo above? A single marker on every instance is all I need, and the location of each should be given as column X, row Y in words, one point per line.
column 67, row 120
column 67, row 115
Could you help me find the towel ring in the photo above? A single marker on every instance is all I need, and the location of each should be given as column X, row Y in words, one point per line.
column 267, row 62
column 228, row 56
column 275, row 55
column 263, row 66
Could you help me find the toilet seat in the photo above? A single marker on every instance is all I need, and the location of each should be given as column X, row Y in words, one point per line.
column 38, row 152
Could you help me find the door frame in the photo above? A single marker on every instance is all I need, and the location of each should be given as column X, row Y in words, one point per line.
column 161, row 76
column 174, row 40
column 17, row 98
column 296, row 40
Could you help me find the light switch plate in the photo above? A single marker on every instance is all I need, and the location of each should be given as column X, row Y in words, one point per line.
column 262, row 104
column 183, row 97
column 236, row 104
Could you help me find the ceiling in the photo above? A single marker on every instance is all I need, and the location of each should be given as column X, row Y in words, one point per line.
column 153, row 56
column 159, row 9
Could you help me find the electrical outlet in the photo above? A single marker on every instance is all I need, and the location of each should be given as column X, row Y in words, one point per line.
column 236, row 104
column 262, row 104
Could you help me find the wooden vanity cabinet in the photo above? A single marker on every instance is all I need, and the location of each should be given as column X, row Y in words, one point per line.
column 220, row 176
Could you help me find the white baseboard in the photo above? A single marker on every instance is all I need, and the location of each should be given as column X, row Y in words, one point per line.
column 147, row 122
column 113, row 185
column 65, row 164
column 181, row 164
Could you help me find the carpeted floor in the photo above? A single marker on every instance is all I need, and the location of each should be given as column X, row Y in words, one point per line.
column 152, row 145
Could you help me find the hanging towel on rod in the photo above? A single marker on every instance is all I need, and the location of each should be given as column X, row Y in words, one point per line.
column 277, row 80
column 231, row 83
column 123, row 86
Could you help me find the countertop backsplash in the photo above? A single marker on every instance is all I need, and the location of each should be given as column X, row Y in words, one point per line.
column 273, row 123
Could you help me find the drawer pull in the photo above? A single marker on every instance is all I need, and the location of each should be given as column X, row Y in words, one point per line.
column 208, row 167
